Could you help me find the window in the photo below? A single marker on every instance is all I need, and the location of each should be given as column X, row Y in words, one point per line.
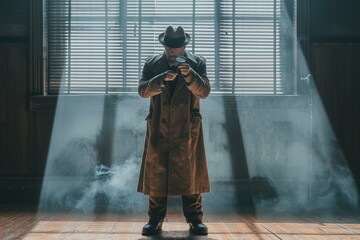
column 99, row 46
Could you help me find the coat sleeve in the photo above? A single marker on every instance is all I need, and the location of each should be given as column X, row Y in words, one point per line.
column 200, row 85
column 150, row 85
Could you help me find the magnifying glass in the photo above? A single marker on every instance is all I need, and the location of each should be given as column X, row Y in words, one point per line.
column 181, row 59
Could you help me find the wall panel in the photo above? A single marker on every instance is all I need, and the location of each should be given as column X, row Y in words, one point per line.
column 336, row 72
column 13, row 115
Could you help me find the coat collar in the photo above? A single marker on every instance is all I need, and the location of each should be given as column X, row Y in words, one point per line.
column 160, row 56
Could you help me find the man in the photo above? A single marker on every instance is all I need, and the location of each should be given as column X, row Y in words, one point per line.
column 174, row 160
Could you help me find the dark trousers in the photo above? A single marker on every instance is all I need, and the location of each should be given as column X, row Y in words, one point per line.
column 192, row 207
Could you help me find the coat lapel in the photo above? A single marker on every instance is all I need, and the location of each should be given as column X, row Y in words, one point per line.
column 180, row 83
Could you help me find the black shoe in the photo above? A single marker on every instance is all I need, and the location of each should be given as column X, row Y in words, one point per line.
column 151, row 228
column 198, row 228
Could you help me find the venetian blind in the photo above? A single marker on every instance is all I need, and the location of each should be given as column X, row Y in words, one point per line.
column 99, row 46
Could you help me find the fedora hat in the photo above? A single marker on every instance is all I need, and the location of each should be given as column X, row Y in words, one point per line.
column 174, row 38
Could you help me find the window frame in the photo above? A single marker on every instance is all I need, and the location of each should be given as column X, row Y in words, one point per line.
column 38, row 50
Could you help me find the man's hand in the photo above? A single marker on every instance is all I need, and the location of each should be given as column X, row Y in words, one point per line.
column 184, row 69
column 170, row 75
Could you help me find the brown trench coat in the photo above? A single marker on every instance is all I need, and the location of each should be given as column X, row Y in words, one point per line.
column 174, row 161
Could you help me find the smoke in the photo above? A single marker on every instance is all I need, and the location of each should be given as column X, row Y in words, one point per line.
column 113, row 189
column 294, row 161
column 76, row 181
column 76, row 178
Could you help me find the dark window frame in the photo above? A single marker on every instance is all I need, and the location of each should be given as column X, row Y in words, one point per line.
column 38, row 70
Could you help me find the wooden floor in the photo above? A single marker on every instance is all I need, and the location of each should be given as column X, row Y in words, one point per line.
column 28, row 224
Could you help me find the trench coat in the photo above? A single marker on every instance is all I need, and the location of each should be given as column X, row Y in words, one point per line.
column 174, row 160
